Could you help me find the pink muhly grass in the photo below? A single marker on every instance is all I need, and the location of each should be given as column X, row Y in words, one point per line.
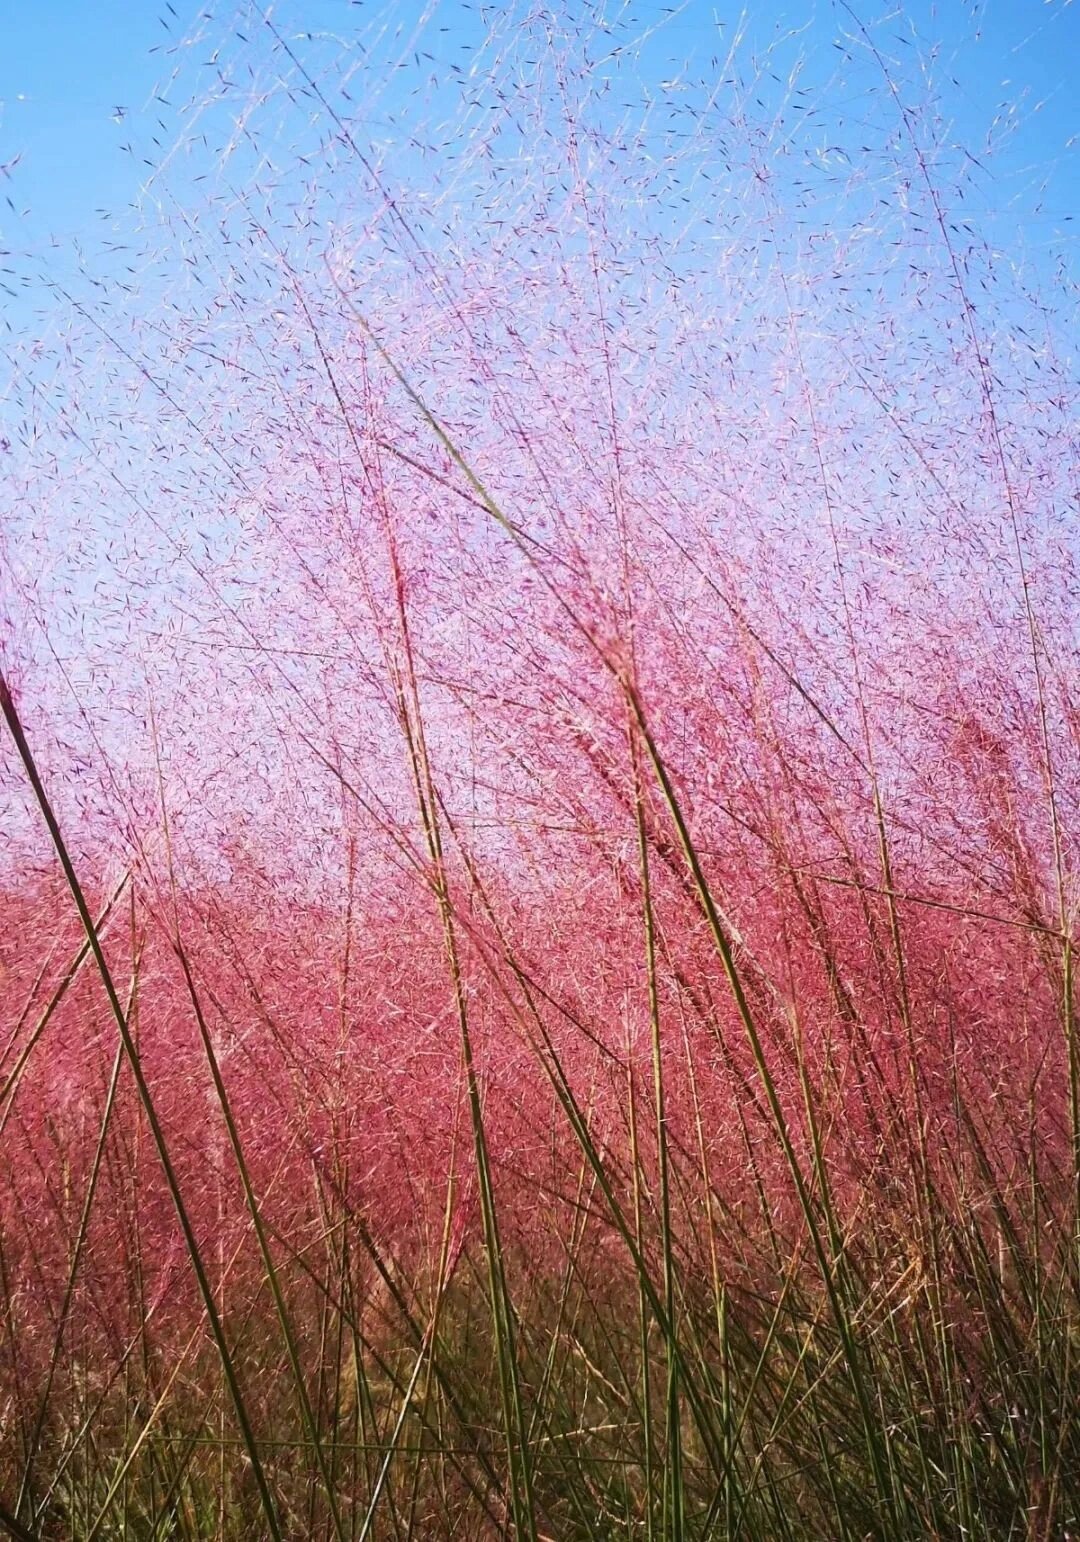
column 540, row 719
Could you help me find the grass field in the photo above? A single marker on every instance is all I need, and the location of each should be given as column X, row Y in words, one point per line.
column 541, row 760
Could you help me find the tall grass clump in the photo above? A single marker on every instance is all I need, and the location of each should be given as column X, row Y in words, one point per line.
column 540, row 777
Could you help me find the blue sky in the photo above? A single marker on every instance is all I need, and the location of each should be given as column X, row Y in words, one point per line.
column 81, row 129
column 78, row 81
